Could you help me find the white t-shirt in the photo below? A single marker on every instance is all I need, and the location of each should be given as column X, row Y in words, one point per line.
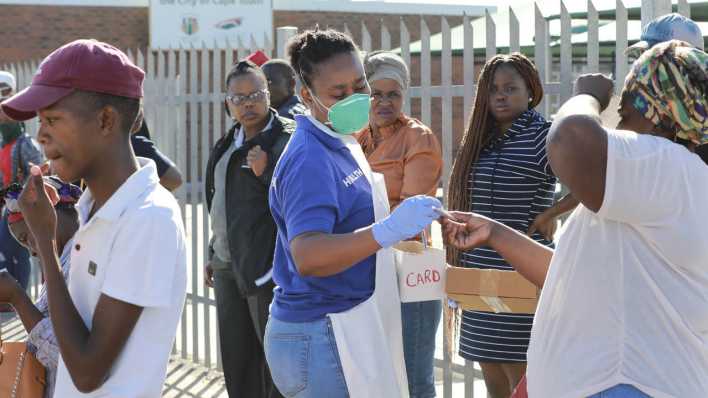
column 133, row 249
column 626, row 295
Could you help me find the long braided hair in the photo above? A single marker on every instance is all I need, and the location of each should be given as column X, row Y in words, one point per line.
column 481, row 129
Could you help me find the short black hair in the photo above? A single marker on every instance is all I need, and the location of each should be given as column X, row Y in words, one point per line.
column 243, row 68
column 280, row 66
column 313, row 47
column 127, row 108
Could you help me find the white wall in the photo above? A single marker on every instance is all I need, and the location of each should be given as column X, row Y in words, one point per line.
column 423, row 7
column 87, row 3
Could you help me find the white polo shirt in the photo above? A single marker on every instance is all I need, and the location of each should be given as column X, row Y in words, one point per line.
column 133, row 250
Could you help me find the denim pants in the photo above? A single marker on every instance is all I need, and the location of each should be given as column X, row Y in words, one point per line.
column 621, row 391
column 303, row 359
column 420, row 324
column 13, row 256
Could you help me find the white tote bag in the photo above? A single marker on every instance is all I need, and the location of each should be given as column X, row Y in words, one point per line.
column 420, row 270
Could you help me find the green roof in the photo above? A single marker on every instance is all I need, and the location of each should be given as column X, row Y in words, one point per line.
column 526, row 17
column 524, row 14
column 606, row 37
column 606, row 9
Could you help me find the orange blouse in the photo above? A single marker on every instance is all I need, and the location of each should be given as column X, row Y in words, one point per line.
column 409, row 156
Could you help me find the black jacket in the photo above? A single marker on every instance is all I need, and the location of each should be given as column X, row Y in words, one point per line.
column 250, row 226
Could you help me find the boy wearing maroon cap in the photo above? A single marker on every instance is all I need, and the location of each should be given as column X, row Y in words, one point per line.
column 116, row 320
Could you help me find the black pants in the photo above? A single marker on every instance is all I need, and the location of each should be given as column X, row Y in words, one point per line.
column 242, row 322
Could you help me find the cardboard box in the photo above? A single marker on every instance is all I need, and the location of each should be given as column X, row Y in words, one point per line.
column 491, row 290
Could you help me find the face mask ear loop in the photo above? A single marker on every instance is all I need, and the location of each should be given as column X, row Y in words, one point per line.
column 317, row 100
column 312, row 94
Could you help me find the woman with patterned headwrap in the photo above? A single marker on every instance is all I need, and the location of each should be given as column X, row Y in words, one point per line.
column 35, row 316
column 624, row 307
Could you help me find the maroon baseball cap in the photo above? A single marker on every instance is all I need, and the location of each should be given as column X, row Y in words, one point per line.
column 87, row 65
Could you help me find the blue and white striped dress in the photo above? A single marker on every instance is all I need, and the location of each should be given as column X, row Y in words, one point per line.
column 511, row 182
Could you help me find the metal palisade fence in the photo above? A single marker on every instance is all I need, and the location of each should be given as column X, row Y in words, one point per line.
column 184, row 109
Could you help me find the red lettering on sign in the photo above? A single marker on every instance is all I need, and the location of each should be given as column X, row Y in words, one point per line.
column 408, row 280
column 426, row 277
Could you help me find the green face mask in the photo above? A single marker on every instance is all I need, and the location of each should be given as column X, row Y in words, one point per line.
column 350, row 114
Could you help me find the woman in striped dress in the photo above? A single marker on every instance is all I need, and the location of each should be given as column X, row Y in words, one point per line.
column 501, row 171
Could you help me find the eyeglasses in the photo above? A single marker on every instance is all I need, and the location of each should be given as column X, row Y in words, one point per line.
column 391, row 96
column 257, row 96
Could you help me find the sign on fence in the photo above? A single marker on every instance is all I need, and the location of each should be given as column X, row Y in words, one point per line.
column 185, row 22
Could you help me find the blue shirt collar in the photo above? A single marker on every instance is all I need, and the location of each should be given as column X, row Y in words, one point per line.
column 324, row 134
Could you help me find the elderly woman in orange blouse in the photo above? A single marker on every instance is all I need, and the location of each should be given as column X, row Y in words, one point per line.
column 408, row 154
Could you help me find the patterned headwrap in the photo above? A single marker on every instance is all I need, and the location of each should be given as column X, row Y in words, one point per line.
column 69, row 194
column 668, row 85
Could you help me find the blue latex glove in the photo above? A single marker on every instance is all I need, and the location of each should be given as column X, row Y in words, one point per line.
column 407, row 220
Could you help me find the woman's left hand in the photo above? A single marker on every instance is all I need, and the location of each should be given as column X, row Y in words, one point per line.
column 257, row 159
column 8, row 287
column 545, row 224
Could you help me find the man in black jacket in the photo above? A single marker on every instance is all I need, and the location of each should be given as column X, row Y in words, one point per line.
column 241, row 250
column 281, row 85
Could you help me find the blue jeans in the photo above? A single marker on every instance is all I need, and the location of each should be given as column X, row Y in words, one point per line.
column 13, row 256
column 420, row 324
column 621, row 391
column 303, row 359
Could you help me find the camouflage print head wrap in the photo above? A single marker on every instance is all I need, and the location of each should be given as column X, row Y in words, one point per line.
column 668, row 85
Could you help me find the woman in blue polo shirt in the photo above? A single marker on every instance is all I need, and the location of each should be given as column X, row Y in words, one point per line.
column 334, row 329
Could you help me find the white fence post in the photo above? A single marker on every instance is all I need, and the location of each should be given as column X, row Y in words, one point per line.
column 661, row 7
column 468, row 67
column 254, row 45
column 405, row 40
column 267, row 46
column 514, row 34
column 541, row 51
column 491, row 35
column 621, row 66
column 566, row 56
column 365, row 38
column 425, row 71
column 203, row 155
column 593, row 44
column 283, row 35
column 385, row 37
column 447, row 109
column 242, row 52
column 684, row 8
column 446, row 80
column 647, row 11
column 347, row 31
column 221, row 124
column 183, row 78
